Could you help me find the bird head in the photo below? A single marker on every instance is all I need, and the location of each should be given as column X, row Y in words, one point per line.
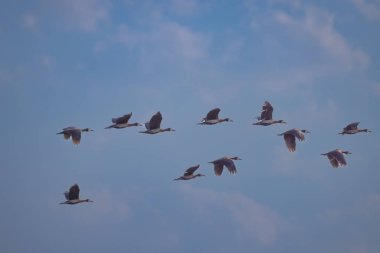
column 305, row 131
column 87, row 130
column 88, row 200
column 235, row 158
column 346, row 152
column 281, row 121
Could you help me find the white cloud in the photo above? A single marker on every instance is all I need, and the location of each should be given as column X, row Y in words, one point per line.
column 370, row 9
column 318, row 26
column 158, row 43
column 85, row 14
column 253, row 220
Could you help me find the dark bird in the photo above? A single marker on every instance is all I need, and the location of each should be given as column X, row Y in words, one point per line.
column 153, row 126
column 74, row 132
column 336, row 157
column 352, row 128
column 225, row 161
column 265, row 119
column 290, row 137
column 212, row 118
column 72, row 196
column 122, row 122
column 189, row 173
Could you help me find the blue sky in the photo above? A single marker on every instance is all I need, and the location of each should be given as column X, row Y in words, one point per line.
column 81, row 63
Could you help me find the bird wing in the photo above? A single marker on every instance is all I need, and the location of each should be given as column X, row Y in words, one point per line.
column 66, row 129
column 352, row 126
column 230, row 166
column 213, row 114
column 76, row 135
column 123, row 119
column 66, row 195
column 191, row 170
column 340, row 158
column 333, row 159
column 290, row 142
column 155, row 121
column 298, row 134
column 74, row 192
column 66, row 135
column 266, row 113
column 218, row 168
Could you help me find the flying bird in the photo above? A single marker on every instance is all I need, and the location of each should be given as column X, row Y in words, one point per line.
column 74, row 132
column 212, row 118
column 122, row 122
column 189, row 173
column 72, row 196
column 225, row 161
column 265, row 119
column 290, row 137
column 336, row 157
column 352, row 128
column 153, row 126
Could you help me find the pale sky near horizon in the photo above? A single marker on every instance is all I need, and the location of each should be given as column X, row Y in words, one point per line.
column 81, row 63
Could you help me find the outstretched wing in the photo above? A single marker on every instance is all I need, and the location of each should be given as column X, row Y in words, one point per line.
column 155, row 121
column 213, row 114
column 298, row 134
column 74, row 192
column 218, row 169
column 290, row 142
column 266, row 113
column 122, row 120
column 191, row 170
column 352, row 126
column 67, row 195
column 230, row 166
column 340, row 158
column 76, row 135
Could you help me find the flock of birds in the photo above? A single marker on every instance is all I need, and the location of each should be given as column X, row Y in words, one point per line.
column 153, row 126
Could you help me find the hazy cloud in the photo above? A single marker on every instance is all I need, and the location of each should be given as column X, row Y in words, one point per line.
column 252, row 219
column 318, row 25
column 85, row 14
column 369, row 8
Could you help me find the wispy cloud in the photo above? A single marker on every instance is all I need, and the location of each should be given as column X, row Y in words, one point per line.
column 369, row 8
column 318, row 25
column 253, row 220
column 166, row 38
column 85, row 14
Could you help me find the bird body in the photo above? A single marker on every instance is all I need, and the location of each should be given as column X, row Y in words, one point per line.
column 212, row 118
column 352, row 128
column 72, row 196
column 189, row 173
column 265, row 119
column 225, row 161
column 154, row 125
column 74, row 132
column 336, row 157
column 291, row 135
column 122, row 122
